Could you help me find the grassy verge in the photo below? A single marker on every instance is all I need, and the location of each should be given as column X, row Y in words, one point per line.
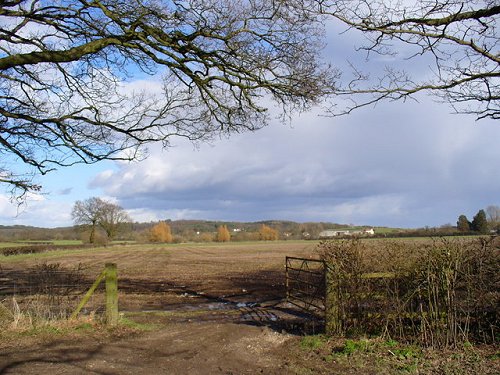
column 320, row 355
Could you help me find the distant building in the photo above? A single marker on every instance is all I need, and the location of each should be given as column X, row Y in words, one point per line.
column 346, row 232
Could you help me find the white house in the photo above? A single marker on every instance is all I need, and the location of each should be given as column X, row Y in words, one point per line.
column 346, row 232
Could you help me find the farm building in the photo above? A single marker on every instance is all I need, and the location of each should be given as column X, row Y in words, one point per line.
column 346, row 232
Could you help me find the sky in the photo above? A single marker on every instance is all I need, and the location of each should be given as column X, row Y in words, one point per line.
column 406, row 165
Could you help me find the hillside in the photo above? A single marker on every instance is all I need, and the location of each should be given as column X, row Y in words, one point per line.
column 187, row 230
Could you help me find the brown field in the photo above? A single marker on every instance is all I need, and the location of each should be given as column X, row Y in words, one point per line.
column 203, row 309
column 163, row 277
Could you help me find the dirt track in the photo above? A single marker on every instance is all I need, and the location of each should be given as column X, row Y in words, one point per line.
column 192, row 348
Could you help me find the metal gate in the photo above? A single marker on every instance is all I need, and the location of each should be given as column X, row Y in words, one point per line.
column 305, row 284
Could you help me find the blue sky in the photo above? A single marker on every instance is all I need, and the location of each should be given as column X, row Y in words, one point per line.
column 407, row 164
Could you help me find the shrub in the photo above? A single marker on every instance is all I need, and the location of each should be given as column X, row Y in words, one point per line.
column 267, row 233
column 223, row 234
column 160, row 233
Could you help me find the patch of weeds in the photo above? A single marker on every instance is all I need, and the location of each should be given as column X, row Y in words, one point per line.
column 352, row 346
column 125, row 322
column 50, row 330
column 457, row 356
column 406, row 352
column 467, row 345
column 410, row 367
column 302, row 371
column 495, row 356
column 330, row 358
column 313, row 342
column 45, row 330
column 391, row 343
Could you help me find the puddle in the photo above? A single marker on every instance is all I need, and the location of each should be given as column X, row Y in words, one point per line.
column 219, row 306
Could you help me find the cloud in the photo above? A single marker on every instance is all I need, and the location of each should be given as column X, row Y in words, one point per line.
column 402, row 164
column 66, row 191
column 38, row 210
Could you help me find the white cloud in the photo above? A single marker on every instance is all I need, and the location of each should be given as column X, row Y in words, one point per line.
column 7, row 208
column 398, row 164
column 37, row 210
column 401, row 165
column 143, row 215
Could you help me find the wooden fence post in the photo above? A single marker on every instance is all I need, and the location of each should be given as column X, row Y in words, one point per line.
column 287, row 282
column 111, row 294
column 87, row 295
column 333, row 323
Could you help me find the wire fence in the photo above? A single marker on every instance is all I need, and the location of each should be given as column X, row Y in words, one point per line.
column 47, row 290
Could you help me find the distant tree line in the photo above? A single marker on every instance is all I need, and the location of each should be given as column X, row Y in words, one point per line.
column 99, row 221
column 485, row 221
column 162, row 232
column 216, row 231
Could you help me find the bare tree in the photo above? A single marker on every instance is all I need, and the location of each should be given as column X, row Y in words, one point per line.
column 96, row 212
column 87, row 213
column 113, row 219
column 493, row 214
column 66, row 93
column 460, row 37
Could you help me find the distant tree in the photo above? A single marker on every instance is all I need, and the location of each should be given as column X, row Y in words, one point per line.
column 463, row 224
column 205, row 237
column 267, row 233
column 223, row 234
column 161, row 233
column 96, row 212
column 493, row 216
column 479, row 222
column 87, row 213
column 113, row 219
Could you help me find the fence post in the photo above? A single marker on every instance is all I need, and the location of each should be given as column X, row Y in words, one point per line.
column 287, row 282
column 333, row 324
column 111, row 294
column 89, row 293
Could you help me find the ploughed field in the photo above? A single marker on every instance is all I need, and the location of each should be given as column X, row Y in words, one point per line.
column 229, row 281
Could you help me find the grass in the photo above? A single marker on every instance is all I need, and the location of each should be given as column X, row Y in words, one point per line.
column 353, row 346
column 129, row 323
column 20, row 323
column 36, row 242
column 313, row 342
column 47, row 254
column 321, row 355
column 12, row 244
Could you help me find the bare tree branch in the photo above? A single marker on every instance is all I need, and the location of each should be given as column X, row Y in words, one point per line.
column 66, row 93
column 460, row 36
